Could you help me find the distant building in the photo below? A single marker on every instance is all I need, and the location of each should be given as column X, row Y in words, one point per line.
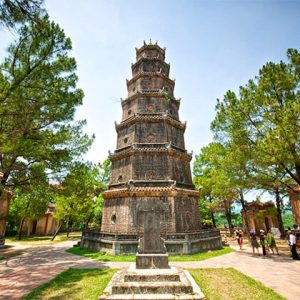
column 5, row 199
column 46, row 225
column 260, row 215
column 295, row 204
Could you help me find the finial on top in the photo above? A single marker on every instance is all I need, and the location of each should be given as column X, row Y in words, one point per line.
column 150, row 42
column 144, row 43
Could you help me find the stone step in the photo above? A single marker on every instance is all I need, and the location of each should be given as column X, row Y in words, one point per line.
column 151, row 277
column 152, row 297
column 152, row 288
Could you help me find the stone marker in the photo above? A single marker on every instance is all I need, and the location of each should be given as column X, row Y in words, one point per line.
column 152, row 250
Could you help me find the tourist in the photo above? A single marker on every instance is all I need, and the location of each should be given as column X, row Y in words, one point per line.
column 254, row 242
column 240, row 239
column 293, row 245
column 287, row 237
column 263, row 242
column 237, row 235
column 272, row 242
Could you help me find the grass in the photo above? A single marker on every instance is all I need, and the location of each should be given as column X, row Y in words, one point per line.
column 131, row 258
column 74, row 284
column 227, row 284
column 36, row 241
column 216, row 284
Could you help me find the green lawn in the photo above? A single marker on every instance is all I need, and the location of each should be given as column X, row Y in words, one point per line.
column 228, row 284
column 37, row 241
column 216, row 284
column 131, row 258
column 87, row 284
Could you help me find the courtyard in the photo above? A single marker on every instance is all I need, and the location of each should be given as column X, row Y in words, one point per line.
column 41, row 263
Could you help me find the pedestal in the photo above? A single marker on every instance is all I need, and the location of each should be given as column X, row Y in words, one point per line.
column 152, row 261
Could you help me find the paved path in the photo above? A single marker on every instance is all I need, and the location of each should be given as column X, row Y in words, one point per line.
column 19, row 275
column 279, row 273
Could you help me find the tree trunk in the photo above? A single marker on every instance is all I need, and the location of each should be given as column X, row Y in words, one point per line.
column 212, row 215
column 228, row 216
column 68, row 229
column 279, row 212
column 242, row 200
column 21, row 228
column 57, row 231
column 213, row 219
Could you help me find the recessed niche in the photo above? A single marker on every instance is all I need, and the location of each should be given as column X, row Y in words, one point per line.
column 125, row 140
column 150, row 137
column 150, row 175
column 129, row 112
column 150, row 107
column 133, row 89
column 120, row 177
column 113, row 218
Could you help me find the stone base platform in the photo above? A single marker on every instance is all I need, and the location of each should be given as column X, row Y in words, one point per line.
column 152, row 284
column 152, row 261
column 176, row 243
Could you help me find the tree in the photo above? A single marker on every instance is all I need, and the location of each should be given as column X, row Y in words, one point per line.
column 210, row 175
column 31, row 202
column 79, row 196
column 16, row 11
column 38, row 99
column 264, row 119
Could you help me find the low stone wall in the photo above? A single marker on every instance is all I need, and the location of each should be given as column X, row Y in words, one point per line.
column 203, row 240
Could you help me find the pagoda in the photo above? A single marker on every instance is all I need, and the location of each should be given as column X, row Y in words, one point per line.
column 150, row 166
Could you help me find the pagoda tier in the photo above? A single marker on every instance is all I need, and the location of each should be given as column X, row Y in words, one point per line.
column 150, row 162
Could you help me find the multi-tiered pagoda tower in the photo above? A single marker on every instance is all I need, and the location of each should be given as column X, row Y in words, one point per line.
column 151, row 166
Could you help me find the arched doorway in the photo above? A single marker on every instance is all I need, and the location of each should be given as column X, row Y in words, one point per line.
column 267, row 223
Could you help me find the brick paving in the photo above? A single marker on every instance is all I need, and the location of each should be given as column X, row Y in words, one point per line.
column 20, row 274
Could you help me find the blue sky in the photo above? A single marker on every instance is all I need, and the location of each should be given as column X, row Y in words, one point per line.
column 212, row 46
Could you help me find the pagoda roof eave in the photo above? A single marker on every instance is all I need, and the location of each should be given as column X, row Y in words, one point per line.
column 149, row 191
column 133, row 65
column 166, row 148
column 148, row 74
column 138, row 117
column 139, row 94
column 150, row 46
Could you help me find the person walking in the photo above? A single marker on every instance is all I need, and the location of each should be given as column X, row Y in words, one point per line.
column 254, row 242
column 263, row 242
column 240, row 239
column 271, row 242
column 293, row 245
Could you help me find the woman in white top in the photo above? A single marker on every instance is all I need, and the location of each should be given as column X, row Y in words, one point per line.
column 293, row 245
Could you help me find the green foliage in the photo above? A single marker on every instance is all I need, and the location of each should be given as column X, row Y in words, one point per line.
column 38, row 99
column 79, row 196
column 288, row 219
column 263, row 122
column 13, row 12
column 31, row 201
column 212, row 176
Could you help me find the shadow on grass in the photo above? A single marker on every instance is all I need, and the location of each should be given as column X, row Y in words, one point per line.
column 131, row 258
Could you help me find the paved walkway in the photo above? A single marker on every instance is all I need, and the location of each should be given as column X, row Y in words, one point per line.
column 19, row 275
column 279, row 273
